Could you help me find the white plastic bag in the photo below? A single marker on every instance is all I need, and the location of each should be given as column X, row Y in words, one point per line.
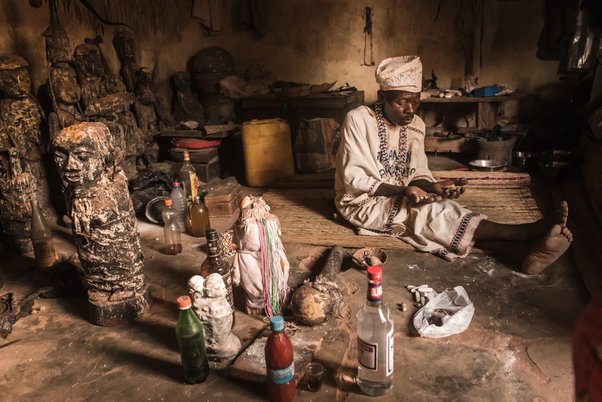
column 445, row 314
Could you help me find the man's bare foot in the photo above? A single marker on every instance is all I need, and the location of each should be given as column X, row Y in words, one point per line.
column 562, row 214
column 542, row 227
column 548, row 250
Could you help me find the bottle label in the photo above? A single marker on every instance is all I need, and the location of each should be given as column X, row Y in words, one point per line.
column 390, row 353
column 281, row 376
column 194, row 185
column 212, row 249
column 375, row 292
column 367, row 354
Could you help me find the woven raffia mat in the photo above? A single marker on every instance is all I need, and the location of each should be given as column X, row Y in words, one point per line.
column 307, row 215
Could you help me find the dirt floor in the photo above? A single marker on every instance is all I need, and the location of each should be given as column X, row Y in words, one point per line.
column 517, row 347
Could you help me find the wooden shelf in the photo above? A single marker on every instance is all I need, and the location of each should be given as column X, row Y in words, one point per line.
column 474, row 99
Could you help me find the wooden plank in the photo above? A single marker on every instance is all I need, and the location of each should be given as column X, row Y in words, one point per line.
column 442, row 144
column 475, row 99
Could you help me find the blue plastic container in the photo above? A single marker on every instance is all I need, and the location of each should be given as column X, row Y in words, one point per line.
column 491, row 90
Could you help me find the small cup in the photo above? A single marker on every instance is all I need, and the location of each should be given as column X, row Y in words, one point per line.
column 313, row 376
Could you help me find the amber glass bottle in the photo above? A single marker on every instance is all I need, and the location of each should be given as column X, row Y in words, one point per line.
column 197, row 218
column 214, row 263
column 189, row 179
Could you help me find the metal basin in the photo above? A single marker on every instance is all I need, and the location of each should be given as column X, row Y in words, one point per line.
column 486, row 165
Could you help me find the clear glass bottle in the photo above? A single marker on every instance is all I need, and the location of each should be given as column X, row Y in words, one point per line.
column 197, row 218
column 215, row 263
column 191, row 342
column 375, row 339
column 41, row 237
column 280, row 363
column 179, row 204
column 171, row 230
column 188, row 178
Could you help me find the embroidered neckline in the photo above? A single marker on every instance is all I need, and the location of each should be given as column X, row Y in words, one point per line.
column 399, row 167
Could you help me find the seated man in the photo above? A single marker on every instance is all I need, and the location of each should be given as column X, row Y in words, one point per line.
column 383, row 183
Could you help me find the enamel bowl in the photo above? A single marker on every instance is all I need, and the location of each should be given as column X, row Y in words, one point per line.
column 486, row 165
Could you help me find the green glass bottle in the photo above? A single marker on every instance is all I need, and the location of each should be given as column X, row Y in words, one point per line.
column 191, row 341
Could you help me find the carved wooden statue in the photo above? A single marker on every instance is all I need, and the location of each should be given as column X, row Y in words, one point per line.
column 105, row 99
column 21, row 119
column 210, row 305
column 148, row 108
column 124, row 45
column 64, row 90
column 103, row 223
column 17, row 190
column 186, row 104
column 260, row 258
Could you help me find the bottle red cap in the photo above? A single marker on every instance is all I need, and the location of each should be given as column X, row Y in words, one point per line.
column 176, row 184
column 168, row 202
column 184, row 302
column 375, row 273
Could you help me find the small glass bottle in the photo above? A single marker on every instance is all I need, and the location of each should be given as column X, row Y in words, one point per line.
column 280, row 363
column 173, row 240
column 41, row 237
column 191, row 342
column 375, row 339
column 214, row 263
column 197, row 218
column 188, row 178
column 179, row 205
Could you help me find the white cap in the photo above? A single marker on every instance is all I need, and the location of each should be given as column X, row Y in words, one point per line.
column 403, row 73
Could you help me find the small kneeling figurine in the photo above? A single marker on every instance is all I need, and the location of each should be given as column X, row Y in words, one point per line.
column 260, row 258
column 104, row 226
column 210, row 305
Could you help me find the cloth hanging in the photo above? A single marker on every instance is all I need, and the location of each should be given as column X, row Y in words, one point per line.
column 252, row 14
column 555, row 35
column 209, row 14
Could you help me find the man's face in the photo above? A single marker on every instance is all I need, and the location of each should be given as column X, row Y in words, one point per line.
column 78, row 164
column 400, row 106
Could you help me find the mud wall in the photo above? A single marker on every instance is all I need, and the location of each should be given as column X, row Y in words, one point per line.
column 316, row 41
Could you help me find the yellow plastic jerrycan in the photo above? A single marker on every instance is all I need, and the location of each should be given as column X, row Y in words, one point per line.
column 267, row 151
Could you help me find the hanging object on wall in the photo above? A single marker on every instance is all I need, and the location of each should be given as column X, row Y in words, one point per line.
column 151, row 19
column 209, row 14
column 367, row 15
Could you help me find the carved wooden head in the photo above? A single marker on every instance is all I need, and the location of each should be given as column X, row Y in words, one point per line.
column 83, row 153
column 14, row 77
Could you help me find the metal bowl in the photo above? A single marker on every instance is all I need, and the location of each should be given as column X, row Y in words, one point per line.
column 154, row 208
column 486, row 165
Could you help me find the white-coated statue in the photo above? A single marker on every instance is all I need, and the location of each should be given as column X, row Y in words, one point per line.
column 210, row 305
column 260, row 265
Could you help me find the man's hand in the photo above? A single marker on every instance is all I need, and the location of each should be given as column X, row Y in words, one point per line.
column 452, row 188
column 419, row 196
